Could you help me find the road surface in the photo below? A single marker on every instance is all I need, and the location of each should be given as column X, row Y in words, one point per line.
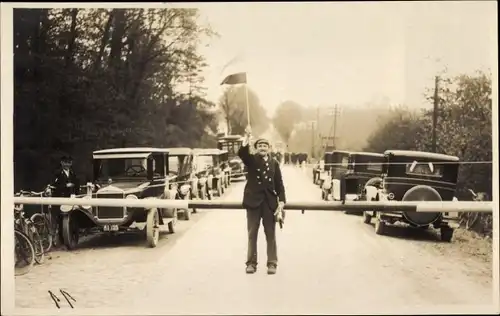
column 329, row 262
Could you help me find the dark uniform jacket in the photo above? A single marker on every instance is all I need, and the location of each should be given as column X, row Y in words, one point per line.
column 60, row 181
column 264, row 180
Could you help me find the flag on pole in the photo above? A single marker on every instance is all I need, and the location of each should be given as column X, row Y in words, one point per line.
column 237, row 78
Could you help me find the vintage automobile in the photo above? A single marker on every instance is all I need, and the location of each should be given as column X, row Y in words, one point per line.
column 364, row 168
column 232, row 144
column 123, row 173
column 415, row 176
column 204, row 168
column 336, row 166
column 183, row 171
column 215, row 175
column 320, row 172
column 224, row 164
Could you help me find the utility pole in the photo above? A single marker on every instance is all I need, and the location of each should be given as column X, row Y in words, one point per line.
column 315, row 129
column 335, row 114
column 434, row 114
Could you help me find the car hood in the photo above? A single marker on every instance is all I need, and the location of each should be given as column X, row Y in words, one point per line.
column 123, row 187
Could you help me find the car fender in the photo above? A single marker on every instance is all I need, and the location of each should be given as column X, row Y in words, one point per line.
column 371, row 192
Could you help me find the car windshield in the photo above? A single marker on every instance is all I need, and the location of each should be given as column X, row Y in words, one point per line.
column 205, row 160
column 175, row 163
column 374, row 166
column 231, row 147
column 122, row 168
column 424, row 169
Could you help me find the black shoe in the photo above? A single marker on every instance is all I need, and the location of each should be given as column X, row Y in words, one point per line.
column 251, row 269
column 271, row 269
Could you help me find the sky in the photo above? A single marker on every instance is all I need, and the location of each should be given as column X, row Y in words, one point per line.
column 346, row 53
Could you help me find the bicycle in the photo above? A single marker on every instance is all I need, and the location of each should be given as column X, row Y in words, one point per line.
column 44, row 221
column 26, row 226
column 23, row 251
column 471, row 218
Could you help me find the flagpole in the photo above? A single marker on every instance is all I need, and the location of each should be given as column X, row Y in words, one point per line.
column 248, row 104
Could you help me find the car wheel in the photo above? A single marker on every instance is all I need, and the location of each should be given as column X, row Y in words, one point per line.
column 446, row 234
column 70, row 231
column 153, row 228
column 219, row 189
column 380, row 227
column 203, row 193
column 367, row 218
column 171, row 225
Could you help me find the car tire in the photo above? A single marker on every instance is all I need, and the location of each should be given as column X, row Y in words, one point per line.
column 219, row 189
column 367, row 218
column 187, row 211
column 153, row 228
column 203, row 193
column 446, row 234
column 171, row 225
column 380, row 227
column 70, row 231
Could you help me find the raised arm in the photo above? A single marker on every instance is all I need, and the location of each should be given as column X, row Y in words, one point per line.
column 244, row 150
column 244, row 153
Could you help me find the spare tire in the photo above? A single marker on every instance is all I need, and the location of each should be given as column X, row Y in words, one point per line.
column 421, row 193
column 375, row 182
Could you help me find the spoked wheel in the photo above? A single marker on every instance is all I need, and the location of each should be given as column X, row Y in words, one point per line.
column 42, row 226
column 172, row 224
column 70, row 232
column 153, row 228
column 37, row 243
column 24, row 253
column 187, row 211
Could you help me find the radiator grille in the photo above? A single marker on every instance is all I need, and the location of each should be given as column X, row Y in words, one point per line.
column 110, row 211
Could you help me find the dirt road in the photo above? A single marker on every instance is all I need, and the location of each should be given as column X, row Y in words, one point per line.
column 329, row 262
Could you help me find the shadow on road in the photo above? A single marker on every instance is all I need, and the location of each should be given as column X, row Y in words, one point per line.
column 104, row 240
column 412, row 233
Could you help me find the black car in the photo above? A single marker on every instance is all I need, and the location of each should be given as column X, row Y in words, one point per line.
column 364, row 168
column 415, row 176
column 123, row 173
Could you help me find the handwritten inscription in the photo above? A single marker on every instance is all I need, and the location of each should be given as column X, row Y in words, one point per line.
column 65, row 294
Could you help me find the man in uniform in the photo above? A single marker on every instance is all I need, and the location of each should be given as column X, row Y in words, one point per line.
column 263, row 197
column 65, row 184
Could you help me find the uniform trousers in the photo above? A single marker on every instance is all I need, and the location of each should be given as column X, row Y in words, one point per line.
column 254, row 217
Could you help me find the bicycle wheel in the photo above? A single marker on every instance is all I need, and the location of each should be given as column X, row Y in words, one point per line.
column 471, row 220
column 36, row 240
column 24, row 253
column 42, row 226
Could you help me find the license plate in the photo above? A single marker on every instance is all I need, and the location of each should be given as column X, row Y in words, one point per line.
column 110, row 228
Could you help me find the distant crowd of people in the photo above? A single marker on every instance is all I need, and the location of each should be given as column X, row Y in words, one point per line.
column 295, row 158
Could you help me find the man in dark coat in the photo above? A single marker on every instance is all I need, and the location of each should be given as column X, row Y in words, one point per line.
column 287, row 158
column 65, row 184
column 263, row 196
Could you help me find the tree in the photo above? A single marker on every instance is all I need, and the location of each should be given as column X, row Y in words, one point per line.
column 232, row 103
column 87, row 79
column 287, row 115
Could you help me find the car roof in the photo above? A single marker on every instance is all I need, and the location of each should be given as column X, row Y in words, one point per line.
column 230, row 138
column 131, row 150
column 207, row 151
column 340, row 152
column 362, row 153
column 175, row 151
column 420, row 154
